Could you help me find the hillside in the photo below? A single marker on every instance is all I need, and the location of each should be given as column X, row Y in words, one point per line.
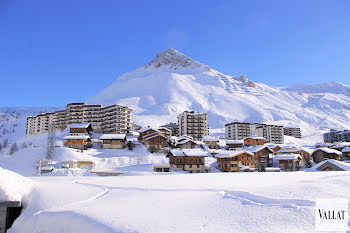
column 173, row 82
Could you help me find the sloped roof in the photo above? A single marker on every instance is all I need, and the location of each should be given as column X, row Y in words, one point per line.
column 328, row 150
column 80, row 125
column 229, row 154
column 255, row 149
column 255, row 137
column 339, row 164
column 234, row 142
column 208, row 138
column 77, row 137
column 113, row 136
column 189, row 152
column 148, row 128
column 287, row 156
column 346, row 149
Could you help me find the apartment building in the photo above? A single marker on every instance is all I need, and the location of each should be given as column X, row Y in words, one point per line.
column 114, row 119
column 241, row 130
column 336, row 136
column 194, row 124
column 292, row 131
column 272, row 133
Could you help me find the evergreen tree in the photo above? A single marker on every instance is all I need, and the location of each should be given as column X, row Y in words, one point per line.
column 5, row 143
column 13, row 148
column 130, row 145
column 24, row 145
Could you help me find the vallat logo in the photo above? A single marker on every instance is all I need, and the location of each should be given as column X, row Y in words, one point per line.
column 331, row 215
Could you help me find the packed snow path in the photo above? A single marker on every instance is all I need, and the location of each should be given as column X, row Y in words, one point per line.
column 221, row 202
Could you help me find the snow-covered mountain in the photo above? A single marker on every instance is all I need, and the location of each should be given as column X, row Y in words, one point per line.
column 172, row 83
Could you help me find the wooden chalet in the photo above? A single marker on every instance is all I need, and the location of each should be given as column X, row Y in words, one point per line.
column 274, row 148
column 321, row 154
column 211, row 142
column 234, row 145
column 332, row 165
column 261, row 155
column 81, row 142
column 234, row 161
column 254, row 141
column 293, row 150
column 190, row 160
column 113, row 141
column 153, row 139
column 146, row 131
column 288, row 162
column 186, row 144
column 346, row 153
column 80, row 129
column 165, row 131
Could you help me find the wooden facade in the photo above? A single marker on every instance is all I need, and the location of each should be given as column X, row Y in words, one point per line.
column 290, row 162
column 321, row 154
column 186, row 144
column 113, row 141
column 179, row 160
column 254, row 141
column 78, row 143
column 234, row 162
column 166, row 132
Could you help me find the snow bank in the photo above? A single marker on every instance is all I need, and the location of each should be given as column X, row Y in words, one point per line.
column 13, row 186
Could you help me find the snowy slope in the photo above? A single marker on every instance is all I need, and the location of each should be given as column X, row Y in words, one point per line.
column 172, row 83
column 217, row 202
column 13, row 123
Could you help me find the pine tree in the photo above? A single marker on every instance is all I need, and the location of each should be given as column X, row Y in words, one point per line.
column 24, row 145
column 5, row 143
column 13, row 148
column 130, row 145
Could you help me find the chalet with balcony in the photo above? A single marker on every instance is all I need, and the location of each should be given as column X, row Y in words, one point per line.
column 190, row 160
column 261, row 155
column 288, row 162
column 211, row 142
column 234, row 161
column 254, row 141
column 321, row 154
column 113, row 141
column 80, row 129
column 234, row 145
column 81, row 142
column 165, row 131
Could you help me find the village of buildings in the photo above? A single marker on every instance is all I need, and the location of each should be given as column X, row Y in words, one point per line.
column 246, row 147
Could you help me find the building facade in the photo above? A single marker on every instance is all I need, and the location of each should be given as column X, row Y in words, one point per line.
column 194, row 124
column 292, row 131
column 337, row 136
column 241, row 130
column 114, row 119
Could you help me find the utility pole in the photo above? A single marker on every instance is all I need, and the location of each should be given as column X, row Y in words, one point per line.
column 51, row 143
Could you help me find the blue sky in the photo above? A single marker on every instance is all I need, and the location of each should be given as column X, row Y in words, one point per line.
column 55, row 52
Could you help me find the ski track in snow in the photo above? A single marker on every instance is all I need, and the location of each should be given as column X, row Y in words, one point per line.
column 245, row 198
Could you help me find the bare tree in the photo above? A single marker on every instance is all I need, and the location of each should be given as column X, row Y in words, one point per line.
column 5, row 143
column 13, row 149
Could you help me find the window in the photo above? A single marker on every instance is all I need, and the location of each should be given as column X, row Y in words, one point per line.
column 197, row 166
column 190, row 165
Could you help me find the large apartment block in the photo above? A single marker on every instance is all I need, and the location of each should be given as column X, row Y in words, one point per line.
column 241, row 130
column 337, row 136
column 194, row 124
column 110, row 119
column 292, row 131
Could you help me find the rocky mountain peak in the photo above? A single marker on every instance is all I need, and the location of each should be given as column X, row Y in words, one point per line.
column 173, row 59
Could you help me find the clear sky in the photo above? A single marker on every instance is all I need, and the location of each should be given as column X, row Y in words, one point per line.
column 55, row 52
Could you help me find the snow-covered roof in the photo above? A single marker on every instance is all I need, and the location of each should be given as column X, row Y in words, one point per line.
column 163, row 128
column 189, row 152
column 287, row 156
column 255, row 149
column 289, row 150
column 323, row 144
column 341, row 145
column 150, row 136
column 113, row 136
column 184, row 141
column 229, row 154
column 77, row 137
column 79, row 125
column 163, row 165
column 255, row 137
column 328, row 150
column 346, row 149
column 341, row 165
column 148, row 128
column 183, row 137
column 208, row 138
column 234, row 142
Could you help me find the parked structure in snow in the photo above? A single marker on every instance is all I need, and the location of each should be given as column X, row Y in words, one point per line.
column 110, row 119
column 240, row 130
column 336, row 136
column 292, row 131
column 321, row 154
column 190, row 160
column 113, row 141
column 234, row 161
column 194, row 124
